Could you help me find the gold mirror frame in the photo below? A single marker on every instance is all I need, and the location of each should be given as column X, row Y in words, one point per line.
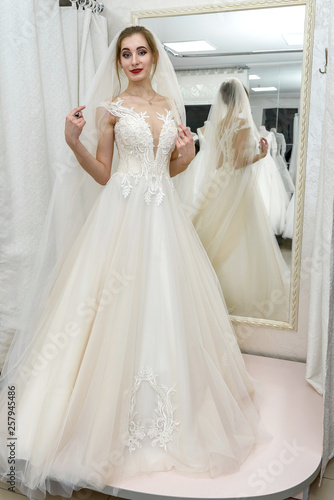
column 302, row 139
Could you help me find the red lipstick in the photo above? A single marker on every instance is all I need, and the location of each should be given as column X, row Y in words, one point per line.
column 137, row 70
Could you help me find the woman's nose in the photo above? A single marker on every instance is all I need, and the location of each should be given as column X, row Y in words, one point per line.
column 135, row 60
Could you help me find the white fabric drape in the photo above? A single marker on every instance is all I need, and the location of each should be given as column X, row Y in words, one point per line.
column 319, row 370
column 320, row 268
column 48, row 56
column 328, row 439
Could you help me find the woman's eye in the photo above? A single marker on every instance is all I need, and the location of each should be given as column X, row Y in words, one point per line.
column 126, row 55
column 142, row 52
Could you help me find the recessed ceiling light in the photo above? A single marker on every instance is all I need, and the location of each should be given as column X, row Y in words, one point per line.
column 254, row 77
column 191, row 46
column 263, row 89
column 294, row 38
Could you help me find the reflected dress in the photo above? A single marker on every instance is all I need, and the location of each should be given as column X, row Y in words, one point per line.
column 135, row 366
column 235, row 230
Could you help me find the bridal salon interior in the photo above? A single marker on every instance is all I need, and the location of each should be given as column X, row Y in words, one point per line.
column 281, row 51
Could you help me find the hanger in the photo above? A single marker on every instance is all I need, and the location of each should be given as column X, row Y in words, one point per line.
column 326, row 62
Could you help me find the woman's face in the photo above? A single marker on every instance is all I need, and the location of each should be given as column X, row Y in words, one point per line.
column 136, row 57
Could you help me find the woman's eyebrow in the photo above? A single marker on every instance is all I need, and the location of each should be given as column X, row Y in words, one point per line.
column 141, row 47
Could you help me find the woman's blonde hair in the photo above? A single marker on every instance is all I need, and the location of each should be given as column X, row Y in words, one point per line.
column 132, row 30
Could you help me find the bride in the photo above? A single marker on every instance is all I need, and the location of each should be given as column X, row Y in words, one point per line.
column 231, row 218
column 126, row 361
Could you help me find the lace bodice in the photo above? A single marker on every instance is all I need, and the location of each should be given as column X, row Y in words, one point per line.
column 227, row 145
column 140, row 154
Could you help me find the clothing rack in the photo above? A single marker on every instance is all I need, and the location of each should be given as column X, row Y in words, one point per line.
column 94, row 5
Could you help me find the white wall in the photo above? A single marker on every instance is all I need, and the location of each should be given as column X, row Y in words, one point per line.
column 267, row 341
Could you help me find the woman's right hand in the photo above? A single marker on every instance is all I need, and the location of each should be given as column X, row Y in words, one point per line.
column 74, row 125
column 263, row 147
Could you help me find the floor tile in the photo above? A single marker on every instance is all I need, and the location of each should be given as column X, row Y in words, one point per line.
column 8, row 495
column 81, row 495
column 4, row 486
column 325, row 492
column 77, row 495
column 329, row 472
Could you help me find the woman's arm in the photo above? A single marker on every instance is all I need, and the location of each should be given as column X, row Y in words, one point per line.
column 184, row 152
column 242, row 157
column 100, row 167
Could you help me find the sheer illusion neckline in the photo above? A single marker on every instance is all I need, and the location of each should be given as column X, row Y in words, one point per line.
column 143, row 115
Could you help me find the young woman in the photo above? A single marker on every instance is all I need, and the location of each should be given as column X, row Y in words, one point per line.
column 132, row 365
column 231, row 220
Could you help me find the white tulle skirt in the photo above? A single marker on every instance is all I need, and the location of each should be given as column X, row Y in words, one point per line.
column 134, row 366
column 234, row 228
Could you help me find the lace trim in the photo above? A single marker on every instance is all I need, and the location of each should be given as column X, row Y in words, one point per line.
column 151, row 166
column 159, row 429
column 225, row 146
column 117, row 109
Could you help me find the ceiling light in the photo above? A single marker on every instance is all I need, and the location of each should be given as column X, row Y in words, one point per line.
column 263, row 89
column 254, row 77
column 294, row 38
column 194, row 46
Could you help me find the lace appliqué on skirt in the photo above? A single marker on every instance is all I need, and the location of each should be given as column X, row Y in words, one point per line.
column 160, row 428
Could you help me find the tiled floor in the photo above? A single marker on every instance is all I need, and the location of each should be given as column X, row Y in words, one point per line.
column 325, row 492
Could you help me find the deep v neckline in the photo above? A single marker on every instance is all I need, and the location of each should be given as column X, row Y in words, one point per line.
column 142, row 115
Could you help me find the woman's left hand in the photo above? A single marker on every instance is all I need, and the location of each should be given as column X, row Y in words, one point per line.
column 185, row 145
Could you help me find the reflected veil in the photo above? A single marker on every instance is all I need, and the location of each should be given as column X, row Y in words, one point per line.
column 229, row 214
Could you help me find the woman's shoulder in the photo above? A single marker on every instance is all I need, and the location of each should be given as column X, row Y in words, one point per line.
column 111, row 100
column 243, row 122
column 234, row 124
column 109, row 106
column 160, row 98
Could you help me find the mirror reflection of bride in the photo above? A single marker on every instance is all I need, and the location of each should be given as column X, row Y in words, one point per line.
column 231, row 219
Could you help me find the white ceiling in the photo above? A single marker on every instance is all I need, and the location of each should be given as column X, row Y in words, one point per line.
column 241, row 32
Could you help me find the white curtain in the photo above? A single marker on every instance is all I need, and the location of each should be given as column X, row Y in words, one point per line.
column 48, row 56
column 320, row 267
column 319, row 370
column 328, row 439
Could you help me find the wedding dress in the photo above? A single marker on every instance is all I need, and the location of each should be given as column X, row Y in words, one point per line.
column 232, row 221
column 241, row 244
column 134, row 366
column 278, row 153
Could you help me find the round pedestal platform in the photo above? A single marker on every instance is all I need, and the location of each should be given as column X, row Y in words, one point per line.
column 291, row 411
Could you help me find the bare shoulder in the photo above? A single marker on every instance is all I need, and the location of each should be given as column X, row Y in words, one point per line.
column 118, row 97
column 104, row 113
column 244, row 124
column 161, row 99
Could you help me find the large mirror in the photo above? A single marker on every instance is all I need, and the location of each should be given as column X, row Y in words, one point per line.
column 268, row 47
